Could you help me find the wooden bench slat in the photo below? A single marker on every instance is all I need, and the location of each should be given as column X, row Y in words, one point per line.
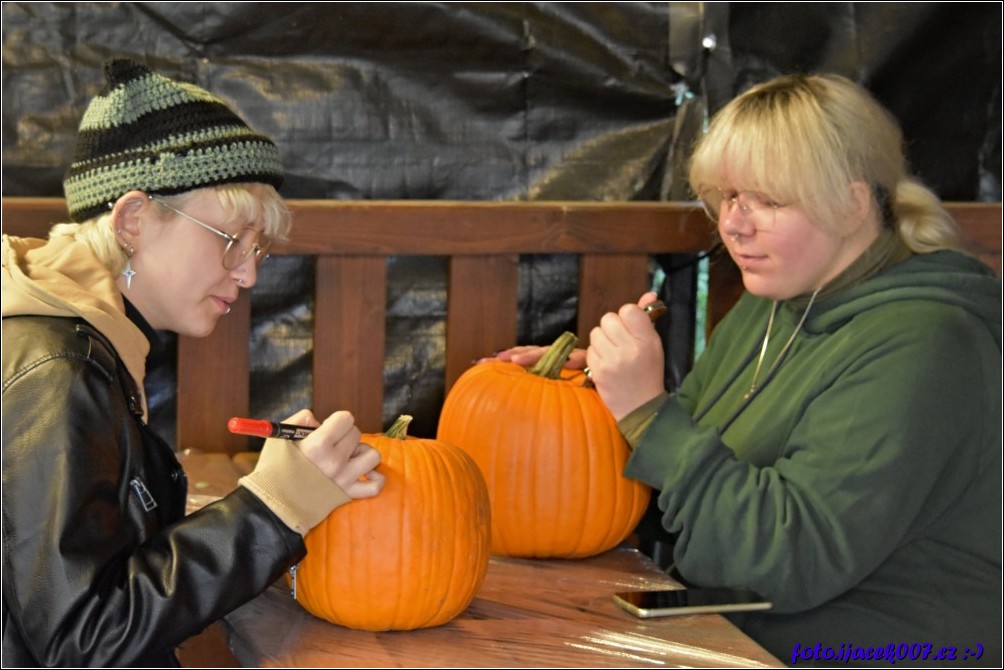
column 214, row 383
column 434, row 227
column 607, row 281
column 981, row 222
column 483, row 240
column 482, row 309
column 349, row 338
column 450, row 228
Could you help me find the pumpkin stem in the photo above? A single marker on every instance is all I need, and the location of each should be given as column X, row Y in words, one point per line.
column 399, row 429
column 549, row 365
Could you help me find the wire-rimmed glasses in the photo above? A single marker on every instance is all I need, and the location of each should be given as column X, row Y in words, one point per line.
column 239, row 248
column 754, row 206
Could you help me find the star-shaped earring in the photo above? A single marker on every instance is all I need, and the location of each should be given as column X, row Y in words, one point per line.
column 128, row 273
column 128, row 249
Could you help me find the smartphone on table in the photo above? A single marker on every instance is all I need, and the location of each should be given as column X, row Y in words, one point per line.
column 669, row 602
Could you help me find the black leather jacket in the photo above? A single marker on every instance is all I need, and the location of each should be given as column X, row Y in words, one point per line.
column 101, row 567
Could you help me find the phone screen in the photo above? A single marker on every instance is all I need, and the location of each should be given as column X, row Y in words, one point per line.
column 690, row 601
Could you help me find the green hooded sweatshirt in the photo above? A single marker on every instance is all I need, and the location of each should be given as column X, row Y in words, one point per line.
column 859, row 488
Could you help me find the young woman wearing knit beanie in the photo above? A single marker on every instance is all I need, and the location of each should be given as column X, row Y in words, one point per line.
column 175, row 205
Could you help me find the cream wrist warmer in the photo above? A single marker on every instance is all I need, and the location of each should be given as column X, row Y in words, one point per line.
column 292, row 487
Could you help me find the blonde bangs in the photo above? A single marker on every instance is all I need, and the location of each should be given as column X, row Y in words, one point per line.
column 779, row 141
column 246, row 203
column 257, row 202
column 745, row 152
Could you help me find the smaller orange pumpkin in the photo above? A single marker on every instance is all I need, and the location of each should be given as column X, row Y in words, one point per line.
column 413, row 556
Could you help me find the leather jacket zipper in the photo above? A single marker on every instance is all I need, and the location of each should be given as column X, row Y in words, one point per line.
column 292, row 579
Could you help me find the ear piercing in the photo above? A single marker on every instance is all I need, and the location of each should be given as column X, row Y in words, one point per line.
column 127, row 271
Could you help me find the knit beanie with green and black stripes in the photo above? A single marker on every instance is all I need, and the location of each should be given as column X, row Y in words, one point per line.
column 146, row 132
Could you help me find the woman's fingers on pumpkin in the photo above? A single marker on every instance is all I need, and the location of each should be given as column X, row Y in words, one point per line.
column 576, row 359
column 332, row 443
column 365, row 457
column 340, row 431
column 359, row 469
column 526, row 354
column 367, row 486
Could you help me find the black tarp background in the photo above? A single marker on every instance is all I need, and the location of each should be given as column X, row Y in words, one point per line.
column 489, row 101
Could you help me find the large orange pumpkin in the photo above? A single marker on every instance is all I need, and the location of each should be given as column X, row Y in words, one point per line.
column 413, row 556
column 551, row 455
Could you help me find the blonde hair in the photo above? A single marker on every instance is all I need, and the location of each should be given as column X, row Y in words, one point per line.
column 805, row 139
column 241, row 202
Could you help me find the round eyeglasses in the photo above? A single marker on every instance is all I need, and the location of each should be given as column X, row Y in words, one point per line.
column 753, row 206
column 247, row 243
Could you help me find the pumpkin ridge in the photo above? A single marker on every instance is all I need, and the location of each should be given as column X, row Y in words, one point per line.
column 454, row 517
column 604, row 469
column 459, row 577
column 479, row 525
column 534, row 513
column 476, row 498
column 632, row 489
column 504, row 500
column 606, row 465
column 617, row 465
column 417, row 578
column 573, row 407
column 562, row 511
column 445, row 501
column 404, row 546
column 595, row 513
column 471, row 581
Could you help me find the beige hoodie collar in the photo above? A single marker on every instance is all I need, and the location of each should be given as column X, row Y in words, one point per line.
column 62, row 277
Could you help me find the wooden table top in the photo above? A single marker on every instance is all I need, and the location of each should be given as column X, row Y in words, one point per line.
column 527, row 613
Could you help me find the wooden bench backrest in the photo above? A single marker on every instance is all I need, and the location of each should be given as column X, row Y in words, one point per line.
column 483, row 242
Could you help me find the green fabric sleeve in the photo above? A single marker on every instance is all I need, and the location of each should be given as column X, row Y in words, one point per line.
column 634, row 425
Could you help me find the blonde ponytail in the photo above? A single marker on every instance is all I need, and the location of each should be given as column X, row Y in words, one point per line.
column 922, row 221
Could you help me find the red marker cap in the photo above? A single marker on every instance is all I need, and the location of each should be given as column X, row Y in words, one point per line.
column 256, row 427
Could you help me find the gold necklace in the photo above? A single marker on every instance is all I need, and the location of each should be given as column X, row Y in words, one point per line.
column 784, row 349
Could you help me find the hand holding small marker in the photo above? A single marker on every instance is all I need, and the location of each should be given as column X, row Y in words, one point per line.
column 334, row 447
